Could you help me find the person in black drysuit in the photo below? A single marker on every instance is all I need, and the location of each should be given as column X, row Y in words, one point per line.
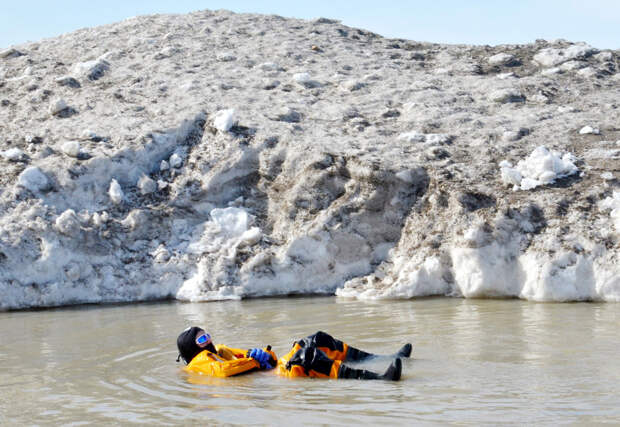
column 321, row 355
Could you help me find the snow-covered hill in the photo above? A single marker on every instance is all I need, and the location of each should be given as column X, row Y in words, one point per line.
column 217, row 155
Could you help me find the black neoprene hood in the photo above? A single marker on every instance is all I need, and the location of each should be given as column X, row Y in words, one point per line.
column 186, row 342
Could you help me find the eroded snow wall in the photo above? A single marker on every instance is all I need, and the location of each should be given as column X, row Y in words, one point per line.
column 219, row 155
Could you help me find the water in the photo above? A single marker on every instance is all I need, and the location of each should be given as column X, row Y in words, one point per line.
column 475, row 362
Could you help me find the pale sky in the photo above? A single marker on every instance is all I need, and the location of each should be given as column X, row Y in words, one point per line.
column 596, row 22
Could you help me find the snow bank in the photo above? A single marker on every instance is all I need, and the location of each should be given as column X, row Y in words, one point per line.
column 498, row 261
column 541, row 167
column 365, row 172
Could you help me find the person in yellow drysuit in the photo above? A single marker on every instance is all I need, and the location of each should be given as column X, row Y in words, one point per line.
column 318, row 355
column 196, row 348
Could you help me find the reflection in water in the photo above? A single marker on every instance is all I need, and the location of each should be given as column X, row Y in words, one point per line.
column 475, row 361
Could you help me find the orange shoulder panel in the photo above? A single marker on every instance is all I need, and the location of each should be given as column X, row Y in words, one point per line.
column 298, row 371
column 335, row 354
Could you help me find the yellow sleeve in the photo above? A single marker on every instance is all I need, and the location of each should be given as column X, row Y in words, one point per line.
column 208, row 363
column 229, row 353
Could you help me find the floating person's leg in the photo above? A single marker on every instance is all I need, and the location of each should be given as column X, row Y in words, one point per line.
column 356, row 355
column 338, row 350
column 393, row 372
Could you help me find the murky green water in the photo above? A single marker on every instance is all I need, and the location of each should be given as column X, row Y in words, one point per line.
column 474, row 362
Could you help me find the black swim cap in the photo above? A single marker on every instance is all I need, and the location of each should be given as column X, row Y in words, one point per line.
column 186, row 342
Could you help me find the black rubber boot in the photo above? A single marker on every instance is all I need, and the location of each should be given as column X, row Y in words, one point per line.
column 357, row 374
column 392, row 374
column 394, row 371
column 356, row 355
column 405, row 351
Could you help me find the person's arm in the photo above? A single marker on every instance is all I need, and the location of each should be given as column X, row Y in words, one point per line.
column 266, row 357
column 208, row 363
column 229, row 353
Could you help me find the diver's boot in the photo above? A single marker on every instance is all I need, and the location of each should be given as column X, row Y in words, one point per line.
column 356, row 355
column 394, row 371
column 357, row 374
column 405, row 351
column 392, row 374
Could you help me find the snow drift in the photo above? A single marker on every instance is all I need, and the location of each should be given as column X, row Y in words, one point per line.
column 217, row 155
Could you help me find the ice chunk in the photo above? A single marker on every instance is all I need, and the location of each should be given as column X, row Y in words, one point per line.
column 71, row 148
column 232, row 221
column 428, row 138
column 229, row 228
column 589, row 130
column 305, row 80
column 115, row 192
column 501, row 59
column 542, row 167
column 612, row 204
column 301, row 78
column 269, row 66
column 566, row 109
column 67, row 223
column 511, row 176
column 505, row 96
column 224, row 120
column 100, row 218
column 13, row 154
column 10, row 53
column 33, row 179
column 250, row 237
column 551, row 57
column 438, row 138
column 176, row 161
column 412, row 137
column 134, row 219
column 146, row 185
column 92, row 70
column 226, row 57
column 57, row 106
